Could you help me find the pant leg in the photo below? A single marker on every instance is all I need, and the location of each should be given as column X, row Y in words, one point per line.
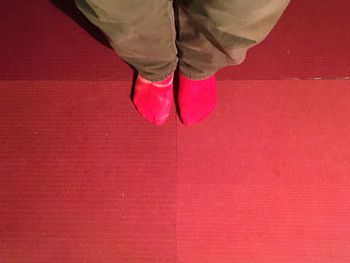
column 142, row 32
column 217, row 33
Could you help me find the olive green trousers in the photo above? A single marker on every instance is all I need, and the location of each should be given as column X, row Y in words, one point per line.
column 197, row 36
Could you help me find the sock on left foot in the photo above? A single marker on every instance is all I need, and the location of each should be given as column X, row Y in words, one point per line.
column 153, row 100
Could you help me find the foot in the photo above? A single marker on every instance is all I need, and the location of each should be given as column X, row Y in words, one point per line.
column 197, row 98
column 153, row 100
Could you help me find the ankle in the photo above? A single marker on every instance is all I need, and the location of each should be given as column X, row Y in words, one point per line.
column 160, row 84
column 193, row 77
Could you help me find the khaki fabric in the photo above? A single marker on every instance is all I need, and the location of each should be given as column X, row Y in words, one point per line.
column 198, row 36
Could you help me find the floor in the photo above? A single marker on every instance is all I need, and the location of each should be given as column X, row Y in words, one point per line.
column 265, row 178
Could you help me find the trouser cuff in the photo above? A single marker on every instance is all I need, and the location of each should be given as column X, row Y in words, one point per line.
column 156, row 77
column 192, row 76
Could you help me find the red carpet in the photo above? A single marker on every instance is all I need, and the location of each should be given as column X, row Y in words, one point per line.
column 83, row 178
column 41, row 43
column 266, row 178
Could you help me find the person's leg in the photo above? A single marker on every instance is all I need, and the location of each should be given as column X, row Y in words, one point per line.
column 214, row 34
column 141, row 32
column 217, row 33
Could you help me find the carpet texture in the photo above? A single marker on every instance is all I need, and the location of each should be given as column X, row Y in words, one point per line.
column 84, row 178
column 264, row 178
column 47, row 40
